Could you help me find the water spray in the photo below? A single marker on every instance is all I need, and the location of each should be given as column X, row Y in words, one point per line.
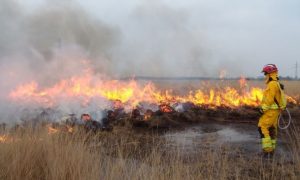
column 280, row 118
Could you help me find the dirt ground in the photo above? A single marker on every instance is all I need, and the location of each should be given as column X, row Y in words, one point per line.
column 210, row 135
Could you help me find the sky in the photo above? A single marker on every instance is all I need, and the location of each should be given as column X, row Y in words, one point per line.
column 188, row 38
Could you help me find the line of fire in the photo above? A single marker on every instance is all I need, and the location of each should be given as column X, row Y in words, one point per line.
column 134, row 104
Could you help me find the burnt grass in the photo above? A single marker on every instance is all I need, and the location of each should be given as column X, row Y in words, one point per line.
column 194, row 115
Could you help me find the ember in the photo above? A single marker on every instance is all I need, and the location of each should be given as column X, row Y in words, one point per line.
column 149, row 113
column 166, row 108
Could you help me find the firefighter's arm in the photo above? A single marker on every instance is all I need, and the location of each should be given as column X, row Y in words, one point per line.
column 269, row 96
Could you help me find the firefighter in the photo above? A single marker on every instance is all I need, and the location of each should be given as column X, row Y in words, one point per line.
column 272, row 104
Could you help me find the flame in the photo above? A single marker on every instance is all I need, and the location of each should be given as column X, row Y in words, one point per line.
column 52, row 130
column 130, row 93
column 70, row 129
column 147, row 117
column 3, row 138
column 165, row 108
column 7, row 138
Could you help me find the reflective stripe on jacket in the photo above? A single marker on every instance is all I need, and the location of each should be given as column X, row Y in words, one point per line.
column 273, row 97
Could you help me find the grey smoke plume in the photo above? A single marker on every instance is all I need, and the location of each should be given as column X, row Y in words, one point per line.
column 68, row 24
column 155, row 38
column 52, row 26
column 50, row 44
column 160, row 43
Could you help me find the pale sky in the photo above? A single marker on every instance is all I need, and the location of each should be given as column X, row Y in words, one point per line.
column 239, row 36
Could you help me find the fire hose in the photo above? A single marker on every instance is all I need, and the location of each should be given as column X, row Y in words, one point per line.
column 280, row 118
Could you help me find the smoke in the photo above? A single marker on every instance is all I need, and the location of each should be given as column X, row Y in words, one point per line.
column 159, row 42
column 68, row 24
column 201, row 37
column 54, row 40
column 49, row 44
column 148, row 38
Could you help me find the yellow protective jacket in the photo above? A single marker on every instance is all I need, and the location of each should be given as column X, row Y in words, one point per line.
column 273, row 96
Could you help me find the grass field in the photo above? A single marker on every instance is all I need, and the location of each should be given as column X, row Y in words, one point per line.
column 124, row 154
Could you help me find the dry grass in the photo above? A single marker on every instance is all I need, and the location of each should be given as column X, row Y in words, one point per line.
column 124, row 154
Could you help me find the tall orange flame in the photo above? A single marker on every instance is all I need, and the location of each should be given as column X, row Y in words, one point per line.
column 131, row 93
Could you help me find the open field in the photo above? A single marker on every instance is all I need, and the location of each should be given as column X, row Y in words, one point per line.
column 129, row 152
column 158, row 90
column 124, row 154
